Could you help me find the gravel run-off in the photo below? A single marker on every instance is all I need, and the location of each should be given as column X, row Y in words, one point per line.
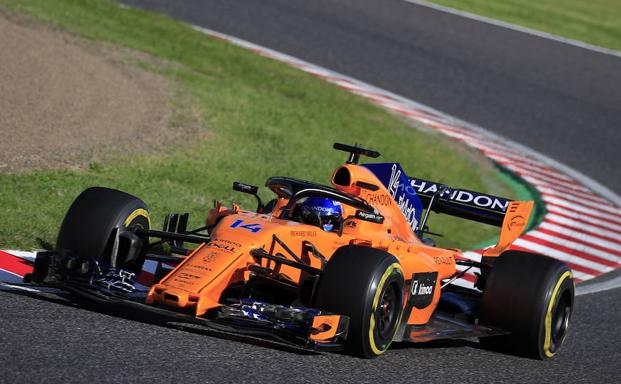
column 66, row 102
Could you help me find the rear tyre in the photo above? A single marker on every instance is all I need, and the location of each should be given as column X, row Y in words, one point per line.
column 531, row 296
column 367, row 285
column 91, row 223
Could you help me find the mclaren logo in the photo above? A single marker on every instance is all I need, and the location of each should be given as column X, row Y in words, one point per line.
column 516, row 222
column 210, row 257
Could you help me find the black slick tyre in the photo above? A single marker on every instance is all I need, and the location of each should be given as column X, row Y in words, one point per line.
column 532, row 296
column 367, row 285
column 93, row 220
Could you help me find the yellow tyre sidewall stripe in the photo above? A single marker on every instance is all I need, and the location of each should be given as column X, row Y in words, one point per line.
column 389, row 271
column 548, row 319
column 136, row 213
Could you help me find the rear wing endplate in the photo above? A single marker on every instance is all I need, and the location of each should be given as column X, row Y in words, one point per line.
column 515, row 222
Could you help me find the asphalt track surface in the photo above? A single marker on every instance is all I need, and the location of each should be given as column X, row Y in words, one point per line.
column 50, row 341
column 486, row 75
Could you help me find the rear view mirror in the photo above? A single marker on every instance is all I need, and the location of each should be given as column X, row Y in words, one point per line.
column 251, row 190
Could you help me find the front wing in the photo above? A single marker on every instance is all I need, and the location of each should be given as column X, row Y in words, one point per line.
column 305, row 328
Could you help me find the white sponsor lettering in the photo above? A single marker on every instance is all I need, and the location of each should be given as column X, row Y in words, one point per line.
column 480, row 200
column 464, row 197
column 483, row 201
column 393, row 184
column 502, row 205
column 406, row 207
column 419, row 187
column 432, row 189
column 425, row 290
column 368, row 216
column 422, row 289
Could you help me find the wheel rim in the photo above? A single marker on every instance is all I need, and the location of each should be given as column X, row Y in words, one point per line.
column 387, row 312
column 560, row 321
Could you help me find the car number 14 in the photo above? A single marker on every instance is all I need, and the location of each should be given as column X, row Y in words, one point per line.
column 254, row 228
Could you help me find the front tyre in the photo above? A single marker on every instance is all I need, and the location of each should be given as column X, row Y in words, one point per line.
column 531, row 296
column 367, row 285
column 92, row 222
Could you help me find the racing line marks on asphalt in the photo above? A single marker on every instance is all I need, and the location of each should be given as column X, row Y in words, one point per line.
column 582, row 225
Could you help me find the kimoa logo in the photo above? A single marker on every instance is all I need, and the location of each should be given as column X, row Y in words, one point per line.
column 421, row 289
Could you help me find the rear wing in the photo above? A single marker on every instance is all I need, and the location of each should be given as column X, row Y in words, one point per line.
column 462, row 203
column 511, row 216
column 457, row 202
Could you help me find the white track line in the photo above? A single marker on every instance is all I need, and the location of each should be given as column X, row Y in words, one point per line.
column 580, row 235
column 12, row 274
column 577, row 246
column 584, row 199
column 594, row 222
column 28, row 255
column 5, row 286
column 598, row 287
column 524, row 166
column 610, row 212
column 9, row 286
column 581, row 226
column 517, row 28
column 569, row 258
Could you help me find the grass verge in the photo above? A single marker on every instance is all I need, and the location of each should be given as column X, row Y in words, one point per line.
column 263, row 118
column 596, row 22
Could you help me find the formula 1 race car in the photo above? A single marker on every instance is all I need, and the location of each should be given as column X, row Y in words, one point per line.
column 347, row 266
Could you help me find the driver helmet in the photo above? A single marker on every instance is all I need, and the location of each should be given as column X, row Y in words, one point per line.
column 322, row 212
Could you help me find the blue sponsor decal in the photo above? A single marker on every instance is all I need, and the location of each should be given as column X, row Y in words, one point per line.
column 400, row 188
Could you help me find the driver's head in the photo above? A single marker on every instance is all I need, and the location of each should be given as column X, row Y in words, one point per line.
column 325, row 213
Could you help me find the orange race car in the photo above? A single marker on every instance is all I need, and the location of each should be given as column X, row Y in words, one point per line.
column 346, row 266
